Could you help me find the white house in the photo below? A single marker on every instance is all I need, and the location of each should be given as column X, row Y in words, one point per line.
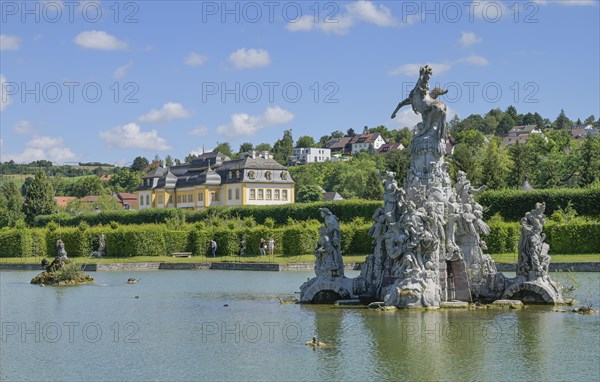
column 303, row 155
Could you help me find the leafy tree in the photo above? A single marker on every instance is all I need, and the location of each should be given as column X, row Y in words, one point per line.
column 397, row 161
column 223, row 148
column 350, row 132
column 39, row 197
column 306, row 141
column 337, row 134
column 264, row 147
column 169, row 160
column 189, row 158
column 282, row 149
column 309, row 193
column 11, row 204
column 589, row 168
column 506, row 123
column 404, row 136
column 589, row 120
column 495, row 165
column 86, row 186
column 520, row 164
column 489, row 125
column 139, row 164
column 245, row 147
column 125, row 180
column 454, row 123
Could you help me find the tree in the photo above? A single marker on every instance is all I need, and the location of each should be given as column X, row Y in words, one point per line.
column 309, row 193
column 589, row 120
column 495, row 165
column 125, row 180
column 223, row 148
column 589, row 168
column 337, row 134
column 520, row 166
column 306, row 141
column 397, row 161
column 169, row 160
column 39, row 198
column 11, row 204
column 404, row 136
column 490, row 124
column 245, row 147
column 189, row 158
column 264, row 147
column 562, row 122
column 350, row 132
column 454, row 123
column 86, row 186
column 139, row 164
column 282, row 149
column 506, row 123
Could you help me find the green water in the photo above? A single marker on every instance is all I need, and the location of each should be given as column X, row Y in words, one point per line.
column 179, row 329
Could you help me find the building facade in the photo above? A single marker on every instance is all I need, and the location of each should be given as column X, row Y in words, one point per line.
column 304, row 155
column 213, row 179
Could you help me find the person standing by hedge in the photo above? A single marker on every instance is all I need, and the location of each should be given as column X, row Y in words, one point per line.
column 262, row 247
column 213, row 247
column 271, row 246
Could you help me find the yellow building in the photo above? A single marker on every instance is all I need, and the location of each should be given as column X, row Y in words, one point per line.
column 213, row 179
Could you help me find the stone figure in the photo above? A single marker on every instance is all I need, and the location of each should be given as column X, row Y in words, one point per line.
column 333, row 227
column 101, row 245
column 533, row 252
column 393, row 197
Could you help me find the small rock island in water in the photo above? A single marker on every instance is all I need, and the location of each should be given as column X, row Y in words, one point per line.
column 61, row 271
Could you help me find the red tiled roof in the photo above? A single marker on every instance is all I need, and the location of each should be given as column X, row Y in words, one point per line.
column 62, row 201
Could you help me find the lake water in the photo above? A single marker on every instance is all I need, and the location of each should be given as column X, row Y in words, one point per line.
column 173, row 325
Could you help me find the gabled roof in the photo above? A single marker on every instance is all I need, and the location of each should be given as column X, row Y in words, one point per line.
column 390, row 147
column 522, row 129
column 338, row 143
column 62, row 201
column 365, row 138
column 331, row 196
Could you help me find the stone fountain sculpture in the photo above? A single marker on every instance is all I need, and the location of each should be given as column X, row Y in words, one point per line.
column 427, row 238
column 61, row 271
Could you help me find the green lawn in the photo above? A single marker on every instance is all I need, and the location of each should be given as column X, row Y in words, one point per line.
column 501, row 258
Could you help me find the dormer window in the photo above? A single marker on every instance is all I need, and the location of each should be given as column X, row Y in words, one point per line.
column 268, row 175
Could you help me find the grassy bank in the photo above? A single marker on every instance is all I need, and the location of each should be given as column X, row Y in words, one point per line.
column 501, row 258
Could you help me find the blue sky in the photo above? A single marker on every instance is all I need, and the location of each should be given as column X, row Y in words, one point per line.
column 108, row 81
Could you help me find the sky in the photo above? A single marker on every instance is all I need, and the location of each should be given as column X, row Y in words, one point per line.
column 106, row 81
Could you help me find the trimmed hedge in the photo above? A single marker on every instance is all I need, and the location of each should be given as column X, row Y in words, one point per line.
column 513, row 204
column 292, row 240
column 345, row 211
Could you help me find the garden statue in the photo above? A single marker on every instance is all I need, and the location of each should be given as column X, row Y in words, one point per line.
column 330, row 284
column 428, row 244
column 101, row 247
column 61, row 271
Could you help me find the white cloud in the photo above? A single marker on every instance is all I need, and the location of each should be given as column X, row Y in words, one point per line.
column 44, row 148
column 195, row 59
column 243, row 124
column 368, row 12
column 250, row 58
column 132, row 136
column 23, row 128
column 122, row 70
column 468, row 39
column 8, row 42
column 200, row 131
column 99, row 40
column 167, row 113
column 412, row 70
column 475, row 60
column 5, row 100
column 356, row 12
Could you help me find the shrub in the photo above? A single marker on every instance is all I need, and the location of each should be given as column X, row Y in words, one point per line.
column 362, row 242
column 298, row 240
column 513, row 204
column 15, row 243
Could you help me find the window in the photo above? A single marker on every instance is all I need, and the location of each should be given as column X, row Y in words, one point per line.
column 237, row 194
column 141, row 200
column 214, row 196
column 284, row 194
column 269, row 175
column 178, row 199
column 190, row 198
column 268, row 194
column 201, row 196
column 229, row 194
column 261, row 194
column 161, row 199
column 252, row 194
column 148, row 199
column 230, row 175
column 276, row 195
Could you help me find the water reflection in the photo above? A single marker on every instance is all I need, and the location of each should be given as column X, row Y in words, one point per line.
column 185, row 332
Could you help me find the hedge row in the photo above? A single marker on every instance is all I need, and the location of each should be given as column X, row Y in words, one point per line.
column 346, row 211
column 159, row 240
column 513, row 204
column 292, row 240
